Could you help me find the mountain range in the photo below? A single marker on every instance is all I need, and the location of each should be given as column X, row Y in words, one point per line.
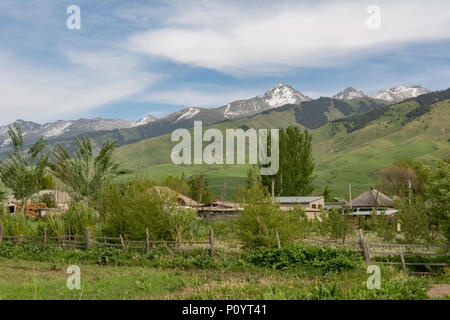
column 149, row 126
column 349, row 149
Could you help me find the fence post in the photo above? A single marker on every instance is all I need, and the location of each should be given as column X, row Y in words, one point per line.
column 122, row 242
column 147, row 240
column 364, row 246
column 88, row 237
column 403, row 260
column 1, row 232
column 45, row 236
column 278, row 239
column 211, row 242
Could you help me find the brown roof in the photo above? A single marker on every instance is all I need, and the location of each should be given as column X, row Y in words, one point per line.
column 372, row 198
column 181, row 199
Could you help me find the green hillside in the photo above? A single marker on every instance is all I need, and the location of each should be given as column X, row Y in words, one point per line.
column 346, row 150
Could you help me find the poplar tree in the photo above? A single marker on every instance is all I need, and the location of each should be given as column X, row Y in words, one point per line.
column 295, row 175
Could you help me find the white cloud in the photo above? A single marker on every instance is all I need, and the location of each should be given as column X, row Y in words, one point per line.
column 198, row 96
column 272, row 37
column 42, row 93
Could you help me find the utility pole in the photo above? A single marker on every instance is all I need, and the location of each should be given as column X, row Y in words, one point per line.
column 350, row 194
column 410, row 193
column 273, row 189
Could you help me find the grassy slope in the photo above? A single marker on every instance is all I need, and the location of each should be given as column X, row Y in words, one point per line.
column 341, row 157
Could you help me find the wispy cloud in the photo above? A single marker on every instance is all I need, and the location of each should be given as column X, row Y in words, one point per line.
column 89, row 79
column 261, row 37
column 198, row 96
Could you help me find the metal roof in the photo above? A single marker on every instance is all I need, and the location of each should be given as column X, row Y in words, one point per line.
column 297, row 199
column 378, row 212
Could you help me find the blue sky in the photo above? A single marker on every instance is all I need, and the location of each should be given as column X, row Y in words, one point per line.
column 131, row 58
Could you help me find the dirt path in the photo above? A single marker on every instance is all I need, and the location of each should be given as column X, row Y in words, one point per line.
column 439, row 291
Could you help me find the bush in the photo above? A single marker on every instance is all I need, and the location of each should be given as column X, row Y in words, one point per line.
column 261, row 218
column 292, row 256
column 16, row 225
column 130, row 208
column 334, row 225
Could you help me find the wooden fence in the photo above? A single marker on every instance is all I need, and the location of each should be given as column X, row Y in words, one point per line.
column 403, row 250
column 87, row 240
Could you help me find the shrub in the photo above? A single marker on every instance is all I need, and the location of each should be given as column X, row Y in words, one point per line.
column 16, row 225
column 291, row 256
column 334, row 225
column 261, row 218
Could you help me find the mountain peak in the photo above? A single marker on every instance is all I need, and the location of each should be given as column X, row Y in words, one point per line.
column 349, row 93
column 144, row 120
column 283, row 94
column 400, row 93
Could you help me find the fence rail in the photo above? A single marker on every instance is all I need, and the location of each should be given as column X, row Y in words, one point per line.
column 369, row 252
column 82, row 242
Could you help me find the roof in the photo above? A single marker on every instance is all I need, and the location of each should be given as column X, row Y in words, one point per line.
column 187, row 201
column 296, row 199
column 372, row 198
column 378, row 212
column 225, row 204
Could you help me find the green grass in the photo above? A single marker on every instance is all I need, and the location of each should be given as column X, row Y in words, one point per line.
column 32, row 280
column 341, row 158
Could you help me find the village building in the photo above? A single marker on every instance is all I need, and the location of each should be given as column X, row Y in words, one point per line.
column 219, row 209
column 182, row 200
column 60, row 198
column 370, row 201
column 311, row 205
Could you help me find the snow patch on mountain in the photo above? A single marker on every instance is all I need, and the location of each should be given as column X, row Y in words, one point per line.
column 283, row 94
column 145, row 120
column 349, row 93
column 400, row 93
column 56, row 130
column 188, row 113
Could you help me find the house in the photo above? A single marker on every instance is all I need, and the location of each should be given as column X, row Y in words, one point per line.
column 60, row 198
column 311, row 205
column 370, row 201
column 11, row 204
column 181, row 199
column 219, row 209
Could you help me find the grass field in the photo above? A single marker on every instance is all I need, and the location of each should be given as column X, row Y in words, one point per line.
column 34, row 280
column 341, row 157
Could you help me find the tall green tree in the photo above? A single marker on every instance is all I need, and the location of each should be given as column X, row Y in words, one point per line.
column 295, row 175
column 23, row 171
column 327, row 194
column 438, row 197
column 85, row 173
column 199, row 188
column 413, row 218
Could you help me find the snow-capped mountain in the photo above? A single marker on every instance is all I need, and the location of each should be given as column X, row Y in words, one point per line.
column 278, row 96
column 349, row 93
column 400, row 93
column 65, row 129
column 145, row 120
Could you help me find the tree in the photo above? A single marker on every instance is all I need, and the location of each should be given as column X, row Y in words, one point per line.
column 412, row 217
column 179, row 184
column 84, row 174
column 199, row 188
column 261, row 218
column 397, row 178
column 333, row 224
column 295, row 174
column 438, row 197
column 327, row 194
column 383, row 225
column 23, row 171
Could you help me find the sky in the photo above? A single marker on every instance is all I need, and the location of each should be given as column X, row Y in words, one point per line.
column 136, row 57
